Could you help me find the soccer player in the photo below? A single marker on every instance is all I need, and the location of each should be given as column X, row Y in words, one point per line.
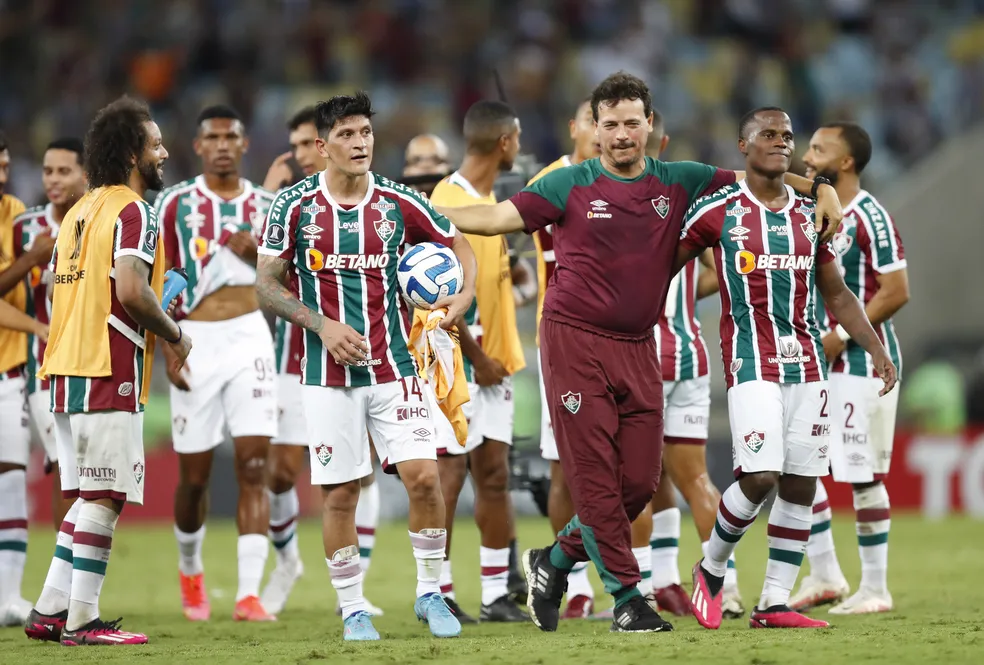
column 862, row 425
column 560, row 507
column 425, row 162
column 211, row 224
column 617, row 227
column 492, row 354
column 328, row 265
column 34, row 235
column 768, row 262
column 289, row 449
column 105, row 320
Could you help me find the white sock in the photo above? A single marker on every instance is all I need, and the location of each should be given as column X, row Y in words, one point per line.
column 13, row 533
column 578, row 583
column 190, row 551
column 91, row 546
column 428, row 550
column 447, row 585
column 346, row 576
column 644, row 557
column 664, row 547
column 284, row 508
column 820, row 547
column 873, row 524
column 735, row 514
column 58, row 583
column 495, row 573
column 731, row 574
column 366, row 521
column 252, row 549
column 789, row 529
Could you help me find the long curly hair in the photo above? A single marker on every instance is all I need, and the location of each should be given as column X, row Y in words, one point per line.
column 115, row 141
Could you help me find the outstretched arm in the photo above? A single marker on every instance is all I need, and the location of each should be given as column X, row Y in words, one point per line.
column 483, row 220
column 829, row 209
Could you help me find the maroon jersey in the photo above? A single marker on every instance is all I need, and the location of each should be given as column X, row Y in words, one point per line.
column 615, row 238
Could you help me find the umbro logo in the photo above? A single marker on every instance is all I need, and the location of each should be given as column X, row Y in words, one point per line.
column 738, row 233
column 422, row 433
column 312, row 231
column 598, row 203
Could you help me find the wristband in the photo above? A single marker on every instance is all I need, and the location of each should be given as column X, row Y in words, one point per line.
column 842, row 334
column 819, row 180
column 180, row 335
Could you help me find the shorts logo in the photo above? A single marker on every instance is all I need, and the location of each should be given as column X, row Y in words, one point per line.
column 822, row 452
column 138, row 472
column 125, row 389
column 323, row 453
column 754, row 440
column 179, row 424
column 821, row 430
column 662, row 206
column 571, row 401
column 423, row 433
column 404, row 413
column 856, row 459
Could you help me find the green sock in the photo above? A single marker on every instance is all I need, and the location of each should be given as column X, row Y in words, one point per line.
column 625, row 594
column 559, row 560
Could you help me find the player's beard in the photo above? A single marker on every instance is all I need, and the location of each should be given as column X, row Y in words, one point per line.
column 152, row 177
column 830, row 175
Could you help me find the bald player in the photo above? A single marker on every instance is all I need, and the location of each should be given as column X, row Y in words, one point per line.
column 425, row 162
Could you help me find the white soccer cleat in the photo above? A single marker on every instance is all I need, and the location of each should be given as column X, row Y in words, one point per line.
column 814, row 592
column 15, row 612
column 865, row 601
column 285, row 574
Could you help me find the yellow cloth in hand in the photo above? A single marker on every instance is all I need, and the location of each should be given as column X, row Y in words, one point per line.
column 438, row 355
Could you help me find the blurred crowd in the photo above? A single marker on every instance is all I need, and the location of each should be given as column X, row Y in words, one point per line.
column 911, row 71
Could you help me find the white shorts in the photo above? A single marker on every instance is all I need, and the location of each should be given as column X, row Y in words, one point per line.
column 490, row 415
column 780, row 427
column 687, row 408
column 291, row 429
column 101, row 455
column 862, row 428
column 548, row 444
column 44, row 421
column 397, row 415
column 15, row 428
column 233, row 384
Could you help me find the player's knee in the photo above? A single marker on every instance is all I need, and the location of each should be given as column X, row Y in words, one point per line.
column 282, row 479
column 758, row 486
column 421, row 481
column 252, row 471
column 368, row 480
column 341, row 498
column 494, row 482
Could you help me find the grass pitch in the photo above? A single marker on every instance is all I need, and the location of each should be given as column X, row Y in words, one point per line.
column 934, row 577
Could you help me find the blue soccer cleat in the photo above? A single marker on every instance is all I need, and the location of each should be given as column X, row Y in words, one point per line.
column 432, row 610
column 359, row 628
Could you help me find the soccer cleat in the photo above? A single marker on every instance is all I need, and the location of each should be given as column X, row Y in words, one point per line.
column 548, row 584
column 603, row 615
column 780, row 616
column 865, row 601
column 673, row 599
column 45, row 627
column 285, row 574
column 432, row 610
column 706, row 607
column 578, row 607
column 370, row 608
column 251, row 609
column 503, row 610
column 194, row 599
column 519, row 590
column 462, row 616
column 15, row 612
column 731, row 605
column 98, row 632
column 814, row 592
column 359, row 628
column 637, row 615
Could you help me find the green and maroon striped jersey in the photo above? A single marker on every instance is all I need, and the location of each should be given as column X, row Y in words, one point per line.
column 682, row 351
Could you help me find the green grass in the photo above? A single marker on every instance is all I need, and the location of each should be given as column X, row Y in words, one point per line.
column 934, row 578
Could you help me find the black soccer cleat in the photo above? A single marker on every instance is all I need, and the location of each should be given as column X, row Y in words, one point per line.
column 503, row 610
column 548, row 584
column 519, row 590
column 462, row 616
column 638, row 616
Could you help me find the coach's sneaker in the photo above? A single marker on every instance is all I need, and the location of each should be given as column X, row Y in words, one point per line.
column 780, row 616
column 251, row 609
column 45, row 627
column 99, row 632
column 462, row 616
column 814, row 592
column 706, row 599
column 359, row 628
column 637, row 615
column 15, row 612
column 865, row 601
column 548, row 584
column 194, row 600
column 432, row 610
column 503, row 610
column 578, row 607
column 731, row 605
column 285, row 574
column 672, row 599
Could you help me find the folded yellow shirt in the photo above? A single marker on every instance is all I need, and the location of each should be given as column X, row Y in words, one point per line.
column 438, row 355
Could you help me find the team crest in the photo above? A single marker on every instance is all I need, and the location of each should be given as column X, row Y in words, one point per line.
column 180, row 423
column 809, row 230
column 662, row 206
column 754, row 440
column 571, row 401
column 323, row 453
column 138, row 472
column 841, row 243
column 385, row 228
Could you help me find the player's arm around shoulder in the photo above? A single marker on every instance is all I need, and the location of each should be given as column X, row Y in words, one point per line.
column 484, row 220
column 701, row 227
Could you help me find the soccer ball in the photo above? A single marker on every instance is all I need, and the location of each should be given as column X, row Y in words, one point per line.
column 428, row 272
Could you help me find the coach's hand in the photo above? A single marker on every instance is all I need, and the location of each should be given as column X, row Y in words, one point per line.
column 885, row 369
column 457, row 306
column 175, row 356
column 343, row 342
column 828, row 213
column 489, row 372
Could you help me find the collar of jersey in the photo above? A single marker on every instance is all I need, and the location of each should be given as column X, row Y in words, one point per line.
column 49, row 216
column 856, row 201
column 323, row 184
column 791, row 195
column 243, row 182
column 457, row 179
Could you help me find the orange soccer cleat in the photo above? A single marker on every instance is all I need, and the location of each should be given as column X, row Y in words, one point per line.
column 194, row 600
column 251, row 609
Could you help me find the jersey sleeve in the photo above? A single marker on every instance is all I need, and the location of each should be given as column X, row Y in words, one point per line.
column 884, row 244
column 20, row 246
column 542, row 202
column 166, row 208
column 825, row 253
column 137, row 232
column 702, row 226
column 279, row 230
column 421, row 223
column 698, row 179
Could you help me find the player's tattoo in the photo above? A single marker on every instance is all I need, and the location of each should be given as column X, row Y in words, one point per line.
column 275, row 298
column 132, row 277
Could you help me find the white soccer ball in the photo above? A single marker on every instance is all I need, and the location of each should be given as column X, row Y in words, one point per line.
column 428, row 272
